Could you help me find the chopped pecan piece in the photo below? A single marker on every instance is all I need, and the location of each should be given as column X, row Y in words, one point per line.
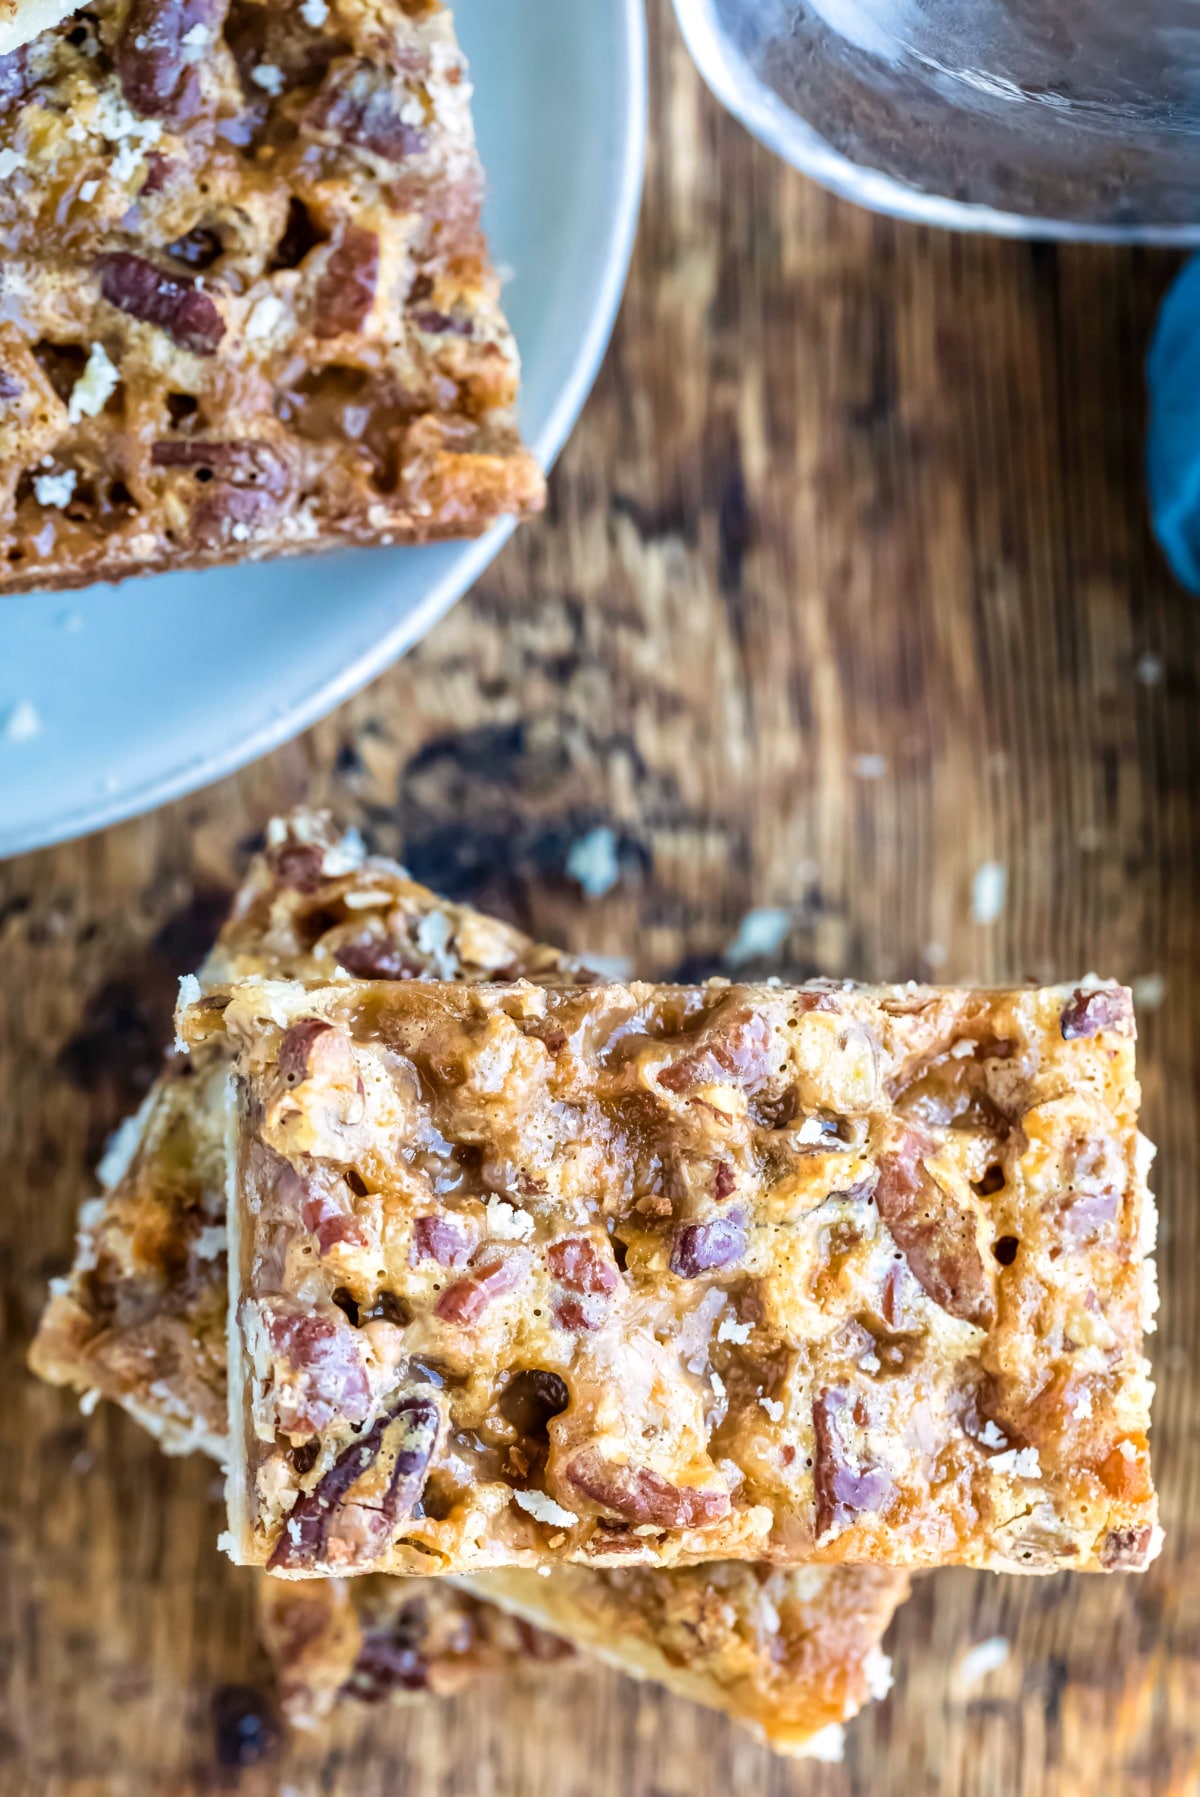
column 443, row 324
column 936, row 1238
column 1127, row 1550
column 577, row 1262
column 158, row 77
column 1087, row 1012
column 358, row 105
column 319, row 1373
column 642, row 1496
column 843, row 1486
column 734, row 1047
column 437, row 1238
column 346, row 290
column 702, row 1247
column 171, row 302
column 331, row 1219
column 296, row 866
column 373, row 957
column 466, row 1300
column 392, row 1659
column 327, row 1525
column 312, row 1049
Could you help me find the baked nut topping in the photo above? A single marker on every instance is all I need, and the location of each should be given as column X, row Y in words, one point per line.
column 247, row 305
column 832, row 1274
column 141, row 1318
column 379, row 1640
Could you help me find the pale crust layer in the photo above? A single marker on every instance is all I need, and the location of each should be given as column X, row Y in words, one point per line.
column 246, row 305
column 658, row 1275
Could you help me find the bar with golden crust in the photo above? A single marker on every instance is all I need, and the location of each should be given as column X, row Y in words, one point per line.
column 821, row 1274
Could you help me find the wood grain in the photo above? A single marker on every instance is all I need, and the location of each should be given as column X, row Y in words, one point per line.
column 846, row 489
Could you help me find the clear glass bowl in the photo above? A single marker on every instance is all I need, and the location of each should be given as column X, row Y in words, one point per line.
column 1079, row 118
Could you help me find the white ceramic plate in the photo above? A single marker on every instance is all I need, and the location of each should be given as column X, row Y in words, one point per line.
column 117, row 699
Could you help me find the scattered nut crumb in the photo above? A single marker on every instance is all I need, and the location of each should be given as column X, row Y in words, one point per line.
column 760, row 934
column 1149, row 990
column 592, row 860
column 869, row 767
column 989, row 889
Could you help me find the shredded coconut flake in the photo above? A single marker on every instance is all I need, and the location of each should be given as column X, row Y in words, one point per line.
column 314, row 13
column 991, row 1436
column 1018, row 1463
column 827, row 1745
column 94, row 388
column 10, row 162
column 877, row 1669
column 730, row 1331
column 89, row 1400
column 978, row 1661
column 773, row 1408
column 189, row 994
column 542, row 1507
column 268, row 77
column 54, row 489
column 506, row 1220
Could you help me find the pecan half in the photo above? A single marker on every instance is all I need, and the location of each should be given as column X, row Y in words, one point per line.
column 346, row 290
column 844, row 1485
column 935, row 1236
column 1087, row 1013
column 702, row 1247
column 360, row 106
column 152, row 63
column 173, row 303
column 326, row 1518
column 641, row 1495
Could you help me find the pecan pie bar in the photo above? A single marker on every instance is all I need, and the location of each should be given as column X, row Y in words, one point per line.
column 246, row 305
column 378, row 1638
column 819, row 1274
column 141, row 1318
column 790, row 1653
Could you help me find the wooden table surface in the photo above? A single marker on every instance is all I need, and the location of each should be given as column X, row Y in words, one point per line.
column 845, row 592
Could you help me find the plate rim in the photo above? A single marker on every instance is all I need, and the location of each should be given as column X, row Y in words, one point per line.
column 184, row 778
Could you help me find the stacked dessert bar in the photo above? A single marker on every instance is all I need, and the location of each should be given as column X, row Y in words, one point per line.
column 678, row 1324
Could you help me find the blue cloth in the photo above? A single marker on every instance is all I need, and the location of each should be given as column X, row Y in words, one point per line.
column 1173, row 443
